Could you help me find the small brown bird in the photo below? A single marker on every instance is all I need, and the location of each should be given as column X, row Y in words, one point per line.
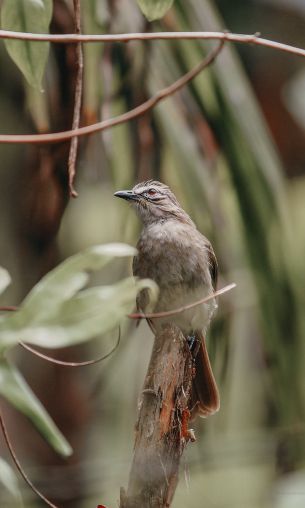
column 173, row 253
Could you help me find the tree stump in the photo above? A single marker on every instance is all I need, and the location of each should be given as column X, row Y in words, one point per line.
column 162, row 426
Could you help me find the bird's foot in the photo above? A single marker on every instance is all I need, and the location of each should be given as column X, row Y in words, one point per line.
column 185, row 433
column 191, row 340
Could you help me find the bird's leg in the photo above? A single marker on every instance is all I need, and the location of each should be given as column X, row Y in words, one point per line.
column 187, row 434
column 194, row 345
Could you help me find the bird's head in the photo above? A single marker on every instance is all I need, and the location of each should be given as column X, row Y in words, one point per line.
column 154, row 202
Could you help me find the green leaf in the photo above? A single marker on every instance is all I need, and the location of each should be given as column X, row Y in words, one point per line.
column 5, row 279
column 91, row 312
column 15, row 390
column 70, row 276
column 57, row 314
column 10, row 482
column 32, row 16
column 154, row 9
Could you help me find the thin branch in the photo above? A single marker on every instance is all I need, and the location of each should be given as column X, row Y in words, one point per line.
column 8, row 308
column 125, row 117
column 159, row 441
column 19, row 467
column 71, row 364
column 77, row 100
column 224, row 36
column 140, row 315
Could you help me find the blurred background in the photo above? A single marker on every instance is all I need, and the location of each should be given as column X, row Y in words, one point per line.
column 231, row 146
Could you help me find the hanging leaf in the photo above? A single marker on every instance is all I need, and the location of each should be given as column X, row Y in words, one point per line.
column 15, row 390
column 89, row 313
column 32, row 16
column 154, row 9
column 5, row 279
column 57, row 314
column 72, row 274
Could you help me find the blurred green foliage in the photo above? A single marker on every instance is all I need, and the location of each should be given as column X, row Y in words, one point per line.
column 58, row 313
column 210, row 143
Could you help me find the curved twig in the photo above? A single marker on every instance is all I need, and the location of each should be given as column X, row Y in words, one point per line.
column 19, row 467
column 150, row 315
column 125, row 117
column 71, row 364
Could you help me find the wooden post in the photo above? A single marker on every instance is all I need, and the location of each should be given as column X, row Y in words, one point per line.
column 161, row 430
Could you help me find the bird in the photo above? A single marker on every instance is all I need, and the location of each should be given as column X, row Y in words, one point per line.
column 172, row 252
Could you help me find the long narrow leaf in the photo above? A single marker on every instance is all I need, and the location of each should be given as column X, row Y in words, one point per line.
column 15, row 390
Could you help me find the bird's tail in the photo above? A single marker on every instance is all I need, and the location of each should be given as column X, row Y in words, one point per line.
column 205, row 395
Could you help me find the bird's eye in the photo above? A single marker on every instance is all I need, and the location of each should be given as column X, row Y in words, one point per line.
column 151, row 192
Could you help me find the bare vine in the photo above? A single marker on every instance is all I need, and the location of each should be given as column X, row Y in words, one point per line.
column 57, row 137
column 77, row 100
column 18, row 465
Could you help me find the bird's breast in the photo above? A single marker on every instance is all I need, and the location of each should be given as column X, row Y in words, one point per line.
column 174, row 258
column 171, row 256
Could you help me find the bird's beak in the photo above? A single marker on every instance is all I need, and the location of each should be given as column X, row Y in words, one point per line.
column 127, row 194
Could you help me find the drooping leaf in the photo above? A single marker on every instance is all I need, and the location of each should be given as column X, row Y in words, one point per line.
column 55, row 314
column 80, row 318
column 15, row 390
column 71, row 275
column 10, row 483
column 5, row 279
column 154, row 9
column 32, row 16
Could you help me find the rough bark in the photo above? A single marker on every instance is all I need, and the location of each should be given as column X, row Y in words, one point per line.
column 161, row 430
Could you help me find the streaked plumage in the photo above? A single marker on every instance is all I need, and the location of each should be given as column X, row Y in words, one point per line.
column 173, row 253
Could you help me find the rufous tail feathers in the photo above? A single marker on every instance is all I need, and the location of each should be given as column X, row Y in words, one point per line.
column 205, row 394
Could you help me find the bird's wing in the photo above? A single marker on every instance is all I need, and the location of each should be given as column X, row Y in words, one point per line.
column 213, row 265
